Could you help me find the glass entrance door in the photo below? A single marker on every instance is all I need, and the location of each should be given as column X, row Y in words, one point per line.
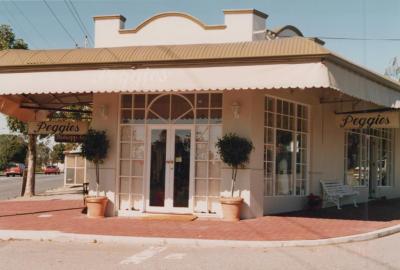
column 170, row 168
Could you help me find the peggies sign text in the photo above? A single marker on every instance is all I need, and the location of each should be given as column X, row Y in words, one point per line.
column 58, row 127
column 368, row 120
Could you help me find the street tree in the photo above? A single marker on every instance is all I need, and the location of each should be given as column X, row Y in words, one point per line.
column 12, row 149
column 9, row 41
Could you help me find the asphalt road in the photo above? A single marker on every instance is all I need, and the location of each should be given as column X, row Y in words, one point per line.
column 10, row 187
column 375, row 254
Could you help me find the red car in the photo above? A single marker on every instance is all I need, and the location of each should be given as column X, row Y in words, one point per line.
column 15, row 169
column 51, row 169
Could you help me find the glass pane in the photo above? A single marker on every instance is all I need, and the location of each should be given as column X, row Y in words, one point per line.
column 215, row 133
column 284, row 152
column 126, row 101
column 190, row 97
column 182, row 168
column 353, row 159
column 216, row 100
column 201, row 151
column 202, row 116
column 137, row 185
column 126, row 133
column 70, row 178
column 137, row 168
column 138, row 134
column 202, row 101
column 215, row 116
column 202, row 133
column 201, row 169
column 154, row 119
column 214, row 187
column 125, row 168
column 79, row 176
column 187, row 118
column 125, row 152
column 214, row 169
column 137, row 151
column 126, row 116
column 138, row 116
column 80, row 162
column 179, row 107
column 71, row 161
column 139, row 101
column 124, row 185
column 157, row 167
column 162, row 106
column 201, row 187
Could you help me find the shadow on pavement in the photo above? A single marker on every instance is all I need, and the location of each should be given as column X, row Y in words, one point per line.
column 378, row 210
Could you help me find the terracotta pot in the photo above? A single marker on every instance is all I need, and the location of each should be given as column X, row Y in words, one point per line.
column 96, row 206
column 231, row 208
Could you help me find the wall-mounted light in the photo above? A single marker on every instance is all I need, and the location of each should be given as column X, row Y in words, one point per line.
column 236, row 110
column 103, row 109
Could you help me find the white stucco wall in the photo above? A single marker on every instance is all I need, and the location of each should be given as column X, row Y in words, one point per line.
column 176, row 29
column 105, row 117
column 326, row 149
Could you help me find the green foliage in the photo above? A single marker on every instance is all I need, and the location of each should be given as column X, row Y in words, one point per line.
column 95, row 146
column 42, row 155
column 17, row 126
column 8, row 40
column 57, row 153
column 234, row 150
column 12, row 149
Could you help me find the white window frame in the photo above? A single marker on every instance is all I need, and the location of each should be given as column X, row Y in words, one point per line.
column 363, row 133
column 143, row 207
column 294, row 163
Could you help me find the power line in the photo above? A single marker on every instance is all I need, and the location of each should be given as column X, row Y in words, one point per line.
column 359, row 39
column 75, row 18
column 80, row 20
column 60, row 23
column 15, row 24
column 30, row 23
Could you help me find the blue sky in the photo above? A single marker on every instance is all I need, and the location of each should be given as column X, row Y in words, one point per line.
column 367, row 20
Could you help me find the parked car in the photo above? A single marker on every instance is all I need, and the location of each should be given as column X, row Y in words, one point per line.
column 14, row 169
column 51, row 169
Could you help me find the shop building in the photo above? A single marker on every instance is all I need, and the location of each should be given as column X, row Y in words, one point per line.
column 166, row 90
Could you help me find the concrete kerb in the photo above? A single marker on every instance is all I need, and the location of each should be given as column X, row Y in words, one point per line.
column 158, row 241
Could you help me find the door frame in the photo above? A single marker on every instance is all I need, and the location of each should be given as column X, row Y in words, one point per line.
column 169, row 173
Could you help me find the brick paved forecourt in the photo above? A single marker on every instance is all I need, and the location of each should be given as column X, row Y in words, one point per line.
column 65, row 216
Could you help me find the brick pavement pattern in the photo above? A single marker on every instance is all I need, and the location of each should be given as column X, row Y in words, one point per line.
column 66, row 216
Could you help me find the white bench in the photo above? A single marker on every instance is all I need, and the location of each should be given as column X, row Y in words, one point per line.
column 334, row 191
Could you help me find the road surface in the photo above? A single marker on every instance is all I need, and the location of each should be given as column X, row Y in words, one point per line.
column 10, row 187
column 376, row 254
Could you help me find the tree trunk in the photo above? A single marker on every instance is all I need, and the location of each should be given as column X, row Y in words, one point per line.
column 30, row 179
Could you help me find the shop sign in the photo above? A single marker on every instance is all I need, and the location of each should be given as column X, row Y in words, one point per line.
column 389, row 119
column 58, row 127
column 69, row 138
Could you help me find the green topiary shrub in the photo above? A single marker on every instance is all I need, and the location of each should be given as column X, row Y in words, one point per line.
column 95, row 148
column 235, row 152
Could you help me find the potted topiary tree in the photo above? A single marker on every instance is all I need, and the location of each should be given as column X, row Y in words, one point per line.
column 94, row 148
column 235, row 152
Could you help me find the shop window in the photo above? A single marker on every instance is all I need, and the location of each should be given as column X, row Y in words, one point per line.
column 203, row 110
column 368, row 158
column 285, row 147
column 74, row 169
